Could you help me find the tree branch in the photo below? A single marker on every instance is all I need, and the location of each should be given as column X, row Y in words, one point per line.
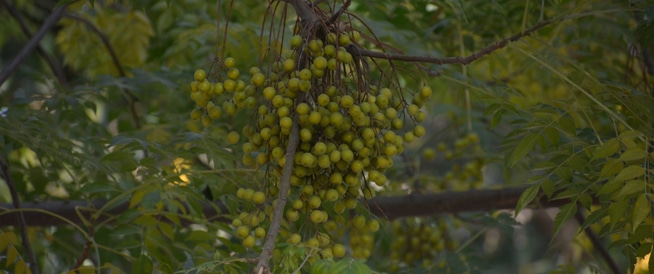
column 453, row 60
column 56, row 69
column 4, row 168
column 278, row 214
column 388, row 207
column 33, row 43
column 131, row 98
column 596, row 242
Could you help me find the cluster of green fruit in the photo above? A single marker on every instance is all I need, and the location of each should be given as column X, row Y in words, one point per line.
column 420, row 242
column 466, row 171
column 349, row 132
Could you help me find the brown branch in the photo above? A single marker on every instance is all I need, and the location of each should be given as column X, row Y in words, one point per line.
column 4, row 168
column 388, row 207
column 457, row 60
column 599, row 247
column 33, row 43
column 131, row 98
column 85, row 253
column 278, row 214
column 56, row 69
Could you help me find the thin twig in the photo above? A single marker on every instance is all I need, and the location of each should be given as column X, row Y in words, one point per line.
column 278, row 214
column 33, row 43
column 131, row 98
column 4, row 167
column 85, row 253
column 596, row 242
column 56, row 69
column 458, row 60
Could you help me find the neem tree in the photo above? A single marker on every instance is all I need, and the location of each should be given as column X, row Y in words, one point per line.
column 301, row 153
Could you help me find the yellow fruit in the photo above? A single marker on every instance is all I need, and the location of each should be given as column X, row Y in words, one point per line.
column 338, row 250
column 258, row 79
column 242, row 231
column 259, row 197
column 249, row 241
column 230, row 62
column 200, row 75
column 233, row 137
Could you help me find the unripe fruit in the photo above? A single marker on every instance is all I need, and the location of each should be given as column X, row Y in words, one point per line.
column 233, row 137
column 260, row 232
column 425, row 92
column 419, row 131
column 359, row 221
column 258, row 79
column 314, row 201
column 229, row 62
column 296, row 41
column 249, row 241
column 338, row 250
column 318, row 216
column 200, row 75
column 242, row 231
column 294, row 239
column 259, row 197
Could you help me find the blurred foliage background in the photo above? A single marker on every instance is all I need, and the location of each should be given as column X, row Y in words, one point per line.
column 109, row 119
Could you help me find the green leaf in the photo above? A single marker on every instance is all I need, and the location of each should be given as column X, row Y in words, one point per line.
column 633, row 154
column 610, row 187
column 142, row 264
column 610, row 168
column 629, row 173
column 566, row 212
column 641, row 210
column 595, row 216
column 526, row 197
column 607, row 149
column 617, row 211
column 632, row 187
column 548, row 187
column 523, row 148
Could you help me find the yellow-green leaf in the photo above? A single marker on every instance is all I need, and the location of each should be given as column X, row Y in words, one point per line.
column 607, row 149
column 632, row 187
column 566, row 212
column 629, row 173
column 610, row 168
column 523, row 148
column 12, row 255
column 20, row 267
column 633, row 154
column 642, row 209
column 617, row 211
column 526, row 197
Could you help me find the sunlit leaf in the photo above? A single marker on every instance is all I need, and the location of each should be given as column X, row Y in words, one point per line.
column 632, row 187
column 642, row 209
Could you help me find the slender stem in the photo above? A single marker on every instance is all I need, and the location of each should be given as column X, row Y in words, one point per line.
column 56, row 69
column 596, row 242
column 4, row 168
column 131, row 98
column 33, row 43
column 457, row 60
column 275, row 224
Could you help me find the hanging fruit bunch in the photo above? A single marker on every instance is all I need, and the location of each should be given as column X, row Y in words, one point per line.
column 321, row 107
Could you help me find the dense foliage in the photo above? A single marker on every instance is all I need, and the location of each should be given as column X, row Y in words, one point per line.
column 170, row 124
